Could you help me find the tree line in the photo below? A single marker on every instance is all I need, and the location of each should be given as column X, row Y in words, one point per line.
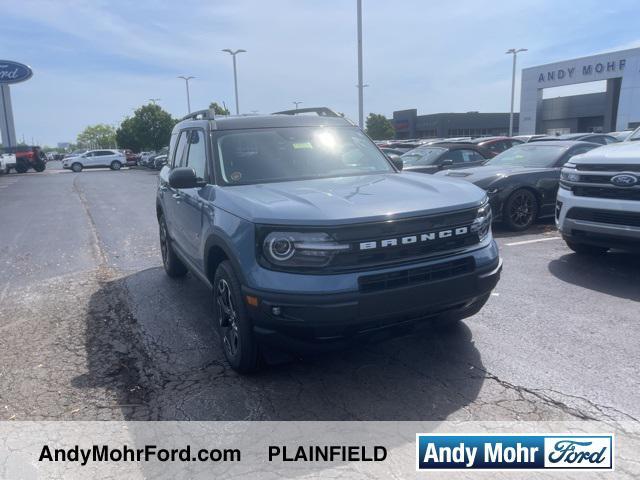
column 149, row 128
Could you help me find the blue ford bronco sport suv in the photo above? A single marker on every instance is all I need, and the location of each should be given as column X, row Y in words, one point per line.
column 309, row 236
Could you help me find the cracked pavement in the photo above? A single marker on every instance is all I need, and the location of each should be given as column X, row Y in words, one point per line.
column 92, row 329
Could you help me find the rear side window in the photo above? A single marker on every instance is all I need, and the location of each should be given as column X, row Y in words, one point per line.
column 197, row 155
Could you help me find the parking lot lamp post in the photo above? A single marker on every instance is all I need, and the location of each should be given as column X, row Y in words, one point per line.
column 360, row 84
column 233, row 53
column 186, row 81
column 296, row 104
column 515, row 52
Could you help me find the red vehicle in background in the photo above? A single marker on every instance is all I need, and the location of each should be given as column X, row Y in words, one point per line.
column 492, row 146
column 132, row 158
column 28, row 157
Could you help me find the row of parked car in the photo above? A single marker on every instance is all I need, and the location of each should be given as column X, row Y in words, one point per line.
column 154, row 160
column 521, row 174
column 79, row 160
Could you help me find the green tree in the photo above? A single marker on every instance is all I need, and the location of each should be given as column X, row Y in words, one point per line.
column 148, row 129
column 379, row 127
column 218, row 110
column 97, row 136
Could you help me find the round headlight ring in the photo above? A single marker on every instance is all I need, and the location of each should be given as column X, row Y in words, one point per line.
column 281, row 248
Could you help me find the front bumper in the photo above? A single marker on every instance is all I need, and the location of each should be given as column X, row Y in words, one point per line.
column 309, row 322
column 612, row 235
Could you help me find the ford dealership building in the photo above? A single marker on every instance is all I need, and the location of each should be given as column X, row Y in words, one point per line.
column 616, row 108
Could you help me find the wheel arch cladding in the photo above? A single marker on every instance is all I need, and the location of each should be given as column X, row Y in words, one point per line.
column 216, row 251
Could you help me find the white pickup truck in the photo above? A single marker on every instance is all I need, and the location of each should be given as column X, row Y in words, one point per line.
column 7, row 162
column 598, row 205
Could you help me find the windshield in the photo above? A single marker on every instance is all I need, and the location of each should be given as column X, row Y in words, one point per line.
column 529, row 155
column 283, row 154
column 422, row 155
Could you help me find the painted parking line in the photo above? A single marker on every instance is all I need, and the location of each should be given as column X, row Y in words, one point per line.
column 526, row 242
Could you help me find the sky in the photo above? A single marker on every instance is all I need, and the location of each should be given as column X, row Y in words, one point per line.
column 95, row 61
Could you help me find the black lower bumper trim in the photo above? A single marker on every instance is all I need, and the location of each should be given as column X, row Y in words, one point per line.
column 296, row 320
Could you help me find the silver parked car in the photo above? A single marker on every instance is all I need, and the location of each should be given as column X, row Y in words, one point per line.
column 96, row 159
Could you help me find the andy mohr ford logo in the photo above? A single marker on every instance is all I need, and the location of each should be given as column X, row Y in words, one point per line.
column 624, row 180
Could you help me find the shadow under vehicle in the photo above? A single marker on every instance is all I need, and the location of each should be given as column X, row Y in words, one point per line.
column 152, row 341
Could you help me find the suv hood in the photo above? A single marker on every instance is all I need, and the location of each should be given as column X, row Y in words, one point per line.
column 624, row 153
column 344, row 200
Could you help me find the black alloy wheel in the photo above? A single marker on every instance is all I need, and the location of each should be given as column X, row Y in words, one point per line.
column 520, row 210
column 233, row 324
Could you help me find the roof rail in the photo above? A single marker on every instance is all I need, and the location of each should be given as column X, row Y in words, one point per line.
column 320, row 111
column 207, row 114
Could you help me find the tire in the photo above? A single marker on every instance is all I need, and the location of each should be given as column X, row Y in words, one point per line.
column 40, row 167
column 76, row 167
column 173, row 266
column 234, row 326
column 115, row 165
column 585, row 249
column 520, row 210
column 448, row 322
column 21, row 167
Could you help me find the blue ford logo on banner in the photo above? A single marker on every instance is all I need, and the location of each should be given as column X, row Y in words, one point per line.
column 14, row 72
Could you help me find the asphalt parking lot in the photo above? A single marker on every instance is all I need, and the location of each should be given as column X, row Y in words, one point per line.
column 91, row 328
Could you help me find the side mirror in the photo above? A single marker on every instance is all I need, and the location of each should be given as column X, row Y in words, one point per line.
column 183, row 177
column 396, row 160
column 447, row 162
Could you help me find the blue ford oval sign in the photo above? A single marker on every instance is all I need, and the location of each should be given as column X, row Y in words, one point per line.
column 624, row 180
column 14, row 72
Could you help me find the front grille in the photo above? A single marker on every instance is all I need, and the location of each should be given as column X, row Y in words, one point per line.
column 612, row 217
column 608, row 192
column 415, row 276
column 608, row 168
column 595, row 178
column 358, row 259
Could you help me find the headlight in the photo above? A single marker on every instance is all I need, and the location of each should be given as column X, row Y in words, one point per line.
column 492, row 191
column 301, row 249
column 482, row 224
column 569, row 176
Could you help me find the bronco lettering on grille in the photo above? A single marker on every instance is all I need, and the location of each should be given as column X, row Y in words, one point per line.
column 419, row 238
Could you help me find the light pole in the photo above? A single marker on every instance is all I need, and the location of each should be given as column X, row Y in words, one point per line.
column 296, row 104
column 514, row 52
column 186, row 81
column 233, row 53
column 360, row 84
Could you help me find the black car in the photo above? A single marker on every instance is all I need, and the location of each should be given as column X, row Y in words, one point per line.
column 599, row 138
column 393, row 151
column 443, row 156
column 158, row 160
column 522, row 182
